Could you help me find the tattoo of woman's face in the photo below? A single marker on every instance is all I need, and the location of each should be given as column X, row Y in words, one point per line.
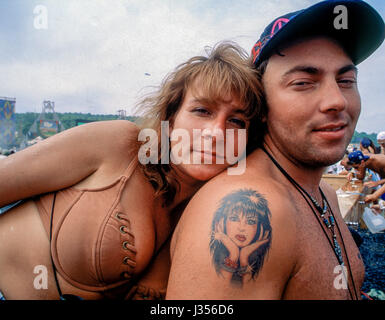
column 240, row 235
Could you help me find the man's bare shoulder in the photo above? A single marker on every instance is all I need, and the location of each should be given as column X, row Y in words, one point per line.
column 235, row 232
column 211, row 193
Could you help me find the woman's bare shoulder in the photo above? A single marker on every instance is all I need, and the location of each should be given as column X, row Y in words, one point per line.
column 111, row 136
column 112, row 128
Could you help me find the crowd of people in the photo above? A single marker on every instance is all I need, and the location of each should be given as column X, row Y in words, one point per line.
column 107, row 218
column 365, row 163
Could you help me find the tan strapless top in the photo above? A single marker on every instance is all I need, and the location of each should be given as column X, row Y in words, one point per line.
column 92, row 245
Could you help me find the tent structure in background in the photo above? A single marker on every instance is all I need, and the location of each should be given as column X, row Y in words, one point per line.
column 7, row 122
column 47, row 123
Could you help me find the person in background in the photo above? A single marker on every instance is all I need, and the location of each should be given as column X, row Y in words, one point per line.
column 367, row 168
column 367, row 146
column 341, row 167
column 381, row 141
column 344, row 163
column 365, row 164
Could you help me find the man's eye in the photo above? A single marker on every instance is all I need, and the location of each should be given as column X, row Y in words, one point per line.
column 347, row 83
column 301, row 83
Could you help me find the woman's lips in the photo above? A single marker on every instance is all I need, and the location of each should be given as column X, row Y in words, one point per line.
column 212, row 157
column 240, row 237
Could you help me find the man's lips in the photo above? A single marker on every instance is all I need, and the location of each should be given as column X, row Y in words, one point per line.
column 334, row 131
column 332, row 127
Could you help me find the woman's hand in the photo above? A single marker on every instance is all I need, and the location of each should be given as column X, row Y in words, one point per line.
column 246, row 251
column 227, row 242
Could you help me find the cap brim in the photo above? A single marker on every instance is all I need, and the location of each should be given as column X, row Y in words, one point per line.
column 364, row 34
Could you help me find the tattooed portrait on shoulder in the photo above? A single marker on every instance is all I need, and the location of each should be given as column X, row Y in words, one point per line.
column 240, row 236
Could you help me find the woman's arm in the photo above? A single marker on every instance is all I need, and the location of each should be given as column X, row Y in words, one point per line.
column 63, row 160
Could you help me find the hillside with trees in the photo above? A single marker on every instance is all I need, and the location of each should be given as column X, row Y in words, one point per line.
column 25, row 120
column 357, row 137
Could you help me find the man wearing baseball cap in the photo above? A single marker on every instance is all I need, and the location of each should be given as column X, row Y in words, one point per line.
column 356, row 157
column 361, row 162
column 276, row 232
column 367, row 146
column 381, row 141
column 375, row 164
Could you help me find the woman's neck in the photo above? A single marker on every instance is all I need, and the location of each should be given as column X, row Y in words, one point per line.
column 187, row 187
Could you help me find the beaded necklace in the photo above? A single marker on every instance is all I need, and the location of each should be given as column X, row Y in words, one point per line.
column 329, row 223
column 322, row 211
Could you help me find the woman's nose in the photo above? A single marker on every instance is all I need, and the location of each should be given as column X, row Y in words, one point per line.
column 242, row 225
column 215, row 130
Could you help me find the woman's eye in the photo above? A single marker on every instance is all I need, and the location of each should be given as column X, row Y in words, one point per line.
column 238, row 122
column 251, row 221
column 201, row 111
column 234, row 218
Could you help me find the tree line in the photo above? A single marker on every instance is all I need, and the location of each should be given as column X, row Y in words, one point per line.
column 70, row 119
column 24, row 121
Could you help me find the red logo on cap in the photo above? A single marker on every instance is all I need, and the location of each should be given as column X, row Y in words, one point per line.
column 279, row 23
column 255, row 51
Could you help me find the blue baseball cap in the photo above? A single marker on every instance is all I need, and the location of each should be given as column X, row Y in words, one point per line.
column 365, row 142
column 364, row 33
column 356, row 157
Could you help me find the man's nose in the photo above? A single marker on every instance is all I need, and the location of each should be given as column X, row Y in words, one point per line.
column 333, row 99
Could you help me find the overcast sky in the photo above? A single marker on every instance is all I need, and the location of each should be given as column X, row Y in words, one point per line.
column 99, row 56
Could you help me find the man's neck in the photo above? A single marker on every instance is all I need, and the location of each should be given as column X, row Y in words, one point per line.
column 306, row 176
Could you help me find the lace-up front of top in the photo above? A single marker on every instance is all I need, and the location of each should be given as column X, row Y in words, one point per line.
column 92, row 245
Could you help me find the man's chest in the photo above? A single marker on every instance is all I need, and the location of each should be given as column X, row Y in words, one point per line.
column 319, row 274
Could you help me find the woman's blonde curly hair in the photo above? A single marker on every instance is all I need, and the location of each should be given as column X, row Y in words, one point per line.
column 226, row 69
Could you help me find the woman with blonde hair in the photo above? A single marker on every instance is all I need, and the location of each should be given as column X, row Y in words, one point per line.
column 96, row 218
